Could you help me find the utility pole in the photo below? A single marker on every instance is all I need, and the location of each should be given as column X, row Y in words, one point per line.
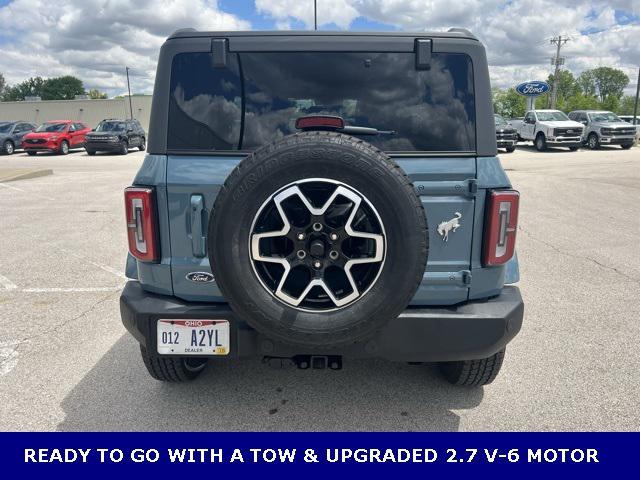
column 315, row 14
column 635, row 105
column 129, row 88
column 557, row 61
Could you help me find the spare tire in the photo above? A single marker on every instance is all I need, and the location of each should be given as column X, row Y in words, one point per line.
column 318, row 239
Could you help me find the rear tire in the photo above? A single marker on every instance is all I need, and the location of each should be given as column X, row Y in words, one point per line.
column 91, row 152
column 473, row 373
column 626, row 146
column 511, row 149
column 172, row 369
column 30, row 153
column 573, row 149
column 8, row 147
column 541, row 142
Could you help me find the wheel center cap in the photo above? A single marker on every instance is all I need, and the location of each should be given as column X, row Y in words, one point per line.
column 317, row 248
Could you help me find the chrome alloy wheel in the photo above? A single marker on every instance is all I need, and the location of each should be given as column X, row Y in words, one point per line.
column 317, row 245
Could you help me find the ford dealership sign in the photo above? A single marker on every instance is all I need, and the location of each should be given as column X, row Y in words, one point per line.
column 532, row 89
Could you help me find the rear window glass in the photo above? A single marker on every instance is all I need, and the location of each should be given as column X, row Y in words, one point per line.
column 257, row 97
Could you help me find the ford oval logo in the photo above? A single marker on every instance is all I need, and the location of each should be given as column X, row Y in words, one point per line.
column 200, row 277
column 532, row 89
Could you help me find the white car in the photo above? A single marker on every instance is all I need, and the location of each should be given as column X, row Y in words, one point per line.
column 550, row 128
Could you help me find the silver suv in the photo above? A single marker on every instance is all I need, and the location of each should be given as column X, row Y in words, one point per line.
column 604, row 128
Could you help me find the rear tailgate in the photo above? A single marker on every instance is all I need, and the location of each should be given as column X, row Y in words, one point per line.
column 446, row 185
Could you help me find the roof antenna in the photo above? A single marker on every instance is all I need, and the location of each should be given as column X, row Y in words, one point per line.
column 315, row 14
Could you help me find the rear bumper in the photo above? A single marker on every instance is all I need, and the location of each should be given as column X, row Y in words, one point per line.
column 470, row 331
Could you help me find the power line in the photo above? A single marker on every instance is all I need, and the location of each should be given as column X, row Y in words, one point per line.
column 557, row 60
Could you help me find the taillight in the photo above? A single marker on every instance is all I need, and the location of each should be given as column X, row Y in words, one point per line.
column 500, row 226
column 141, row 223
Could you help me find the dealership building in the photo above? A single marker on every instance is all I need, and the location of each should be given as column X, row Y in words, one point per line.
column 87, row 111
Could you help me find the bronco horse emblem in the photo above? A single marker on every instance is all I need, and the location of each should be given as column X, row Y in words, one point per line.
column 449, row 226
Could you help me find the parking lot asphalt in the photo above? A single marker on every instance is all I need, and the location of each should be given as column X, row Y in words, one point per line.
column 66, row 362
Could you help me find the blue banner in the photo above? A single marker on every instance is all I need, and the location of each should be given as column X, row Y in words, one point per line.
column 103, row 455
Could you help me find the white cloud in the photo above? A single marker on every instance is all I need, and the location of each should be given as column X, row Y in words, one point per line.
column 340, row 12
column 95, row 39
column 516, row 33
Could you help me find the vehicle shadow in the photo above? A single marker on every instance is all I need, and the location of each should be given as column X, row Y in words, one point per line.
column 531, row 148
column 246, row 395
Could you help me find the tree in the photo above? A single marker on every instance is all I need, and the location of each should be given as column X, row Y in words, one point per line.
column 626, row 105
column 3, row 86
column 95, row 94
column 587, row 83
column 605, row 82
column 62, row 88
column 509, row 103
column 579, row 101
column 567, row 86
column 32, row 87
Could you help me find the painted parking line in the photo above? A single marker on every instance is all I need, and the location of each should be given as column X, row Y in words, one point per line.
column 7, row 284
column 8, row 356
column 16, row 189
column 101, row 266
column 72, row 289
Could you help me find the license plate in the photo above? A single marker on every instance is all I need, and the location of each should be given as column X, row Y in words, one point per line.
column 193, row 337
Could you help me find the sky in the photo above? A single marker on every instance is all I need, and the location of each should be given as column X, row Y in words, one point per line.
column 95, row 39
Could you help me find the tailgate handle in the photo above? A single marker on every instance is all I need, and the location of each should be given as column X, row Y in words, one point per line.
column 197, row 224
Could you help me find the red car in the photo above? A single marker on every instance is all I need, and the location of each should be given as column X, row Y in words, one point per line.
column 58, row 136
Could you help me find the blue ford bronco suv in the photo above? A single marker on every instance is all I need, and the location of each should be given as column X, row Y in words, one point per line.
column 309, row 197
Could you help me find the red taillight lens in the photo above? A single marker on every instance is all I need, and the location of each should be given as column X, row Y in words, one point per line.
column 500, row 226
column 319, row 121
column 141, row 223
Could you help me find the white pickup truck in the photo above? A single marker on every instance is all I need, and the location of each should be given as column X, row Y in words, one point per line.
column 550, row 128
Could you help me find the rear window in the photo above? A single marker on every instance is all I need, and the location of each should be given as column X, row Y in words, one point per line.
column 257, row 97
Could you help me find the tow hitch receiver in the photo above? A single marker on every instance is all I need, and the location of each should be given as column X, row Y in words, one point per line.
column 304, row 362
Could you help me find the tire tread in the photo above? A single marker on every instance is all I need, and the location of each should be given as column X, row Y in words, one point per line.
column 166, row 369
column 474, row 373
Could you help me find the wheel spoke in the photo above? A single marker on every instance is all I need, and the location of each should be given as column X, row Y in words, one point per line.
column 317, row 279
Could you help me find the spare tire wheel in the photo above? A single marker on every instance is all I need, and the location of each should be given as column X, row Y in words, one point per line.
column 318, row 239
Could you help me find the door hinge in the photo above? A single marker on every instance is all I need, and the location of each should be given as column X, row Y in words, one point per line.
column 219, row 51
column 423, row 53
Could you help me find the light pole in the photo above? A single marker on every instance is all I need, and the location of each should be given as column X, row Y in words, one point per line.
column 315, row 14
column 635, row 104
column 129, row 88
